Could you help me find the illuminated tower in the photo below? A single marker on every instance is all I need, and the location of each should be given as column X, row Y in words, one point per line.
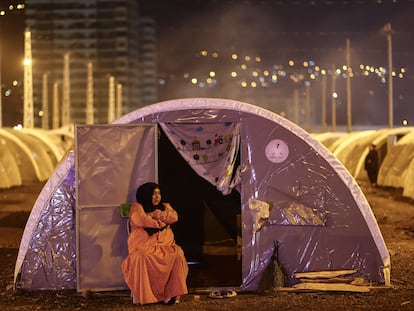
column 45, row 103
column 66, row 91
column 118, row 100
column 28, row 121
column 56, row 118
column 89, row 94
column 111, row 99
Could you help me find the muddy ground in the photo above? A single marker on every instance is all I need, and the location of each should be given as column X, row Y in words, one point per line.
column 394, row 214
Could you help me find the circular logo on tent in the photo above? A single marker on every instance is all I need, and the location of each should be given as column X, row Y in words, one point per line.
column 277, row 151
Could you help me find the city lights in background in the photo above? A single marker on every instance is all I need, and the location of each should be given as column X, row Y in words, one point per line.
column 249, row 71
column 11, row 8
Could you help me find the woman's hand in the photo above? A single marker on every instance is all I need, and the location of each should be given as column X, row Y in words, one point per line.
column 168, row 216
column 156, row 214
column 161, row 224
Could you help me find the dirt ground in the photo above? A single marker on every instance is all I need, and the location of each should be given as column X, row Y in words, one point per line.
column 394, row 214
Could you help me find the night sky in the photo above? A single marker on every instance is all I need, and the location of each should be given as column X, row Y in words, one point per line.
column 275, row 30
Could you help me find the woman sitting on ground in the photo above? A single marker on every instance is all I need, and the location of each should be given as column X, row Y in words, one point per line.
column 155, row 269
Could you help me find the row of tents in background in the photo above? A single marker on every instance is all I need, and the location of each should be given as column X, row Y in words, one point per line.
column 395, row 151
column 31, row 155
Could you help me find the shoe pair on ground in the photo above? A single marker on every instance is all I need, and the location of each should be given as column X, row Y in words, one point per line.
column 222, row 294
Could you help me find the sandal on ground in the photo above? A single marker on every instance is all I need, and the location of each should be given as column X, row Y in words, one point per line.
column 229, row 293
column 215, row 294
column 222, row 294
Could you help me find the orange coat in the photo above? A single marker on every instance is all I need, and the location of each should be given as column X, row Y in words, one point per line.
column 155, row 268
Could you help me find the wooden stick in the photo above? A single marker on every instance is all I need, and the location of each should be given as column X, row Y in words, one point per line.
column 323, row 274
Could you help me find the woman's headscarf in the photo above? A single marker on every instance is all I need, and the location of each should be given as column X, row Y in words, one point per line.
column 144, row 196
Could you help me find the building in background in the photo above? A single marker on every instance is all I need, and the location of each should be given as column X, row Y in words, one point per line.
column 148, row 60
column 104, row 32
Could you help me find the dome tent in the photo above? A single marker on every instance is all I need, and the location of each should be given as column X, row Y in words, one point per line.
column 50, row 142
column 396, row 169
column 352, row 148
column 408, row 190
column 29, row 169
column 34, row 152
column 9, row 170
column 384, row 140
column 311, row 205
column 328, row 138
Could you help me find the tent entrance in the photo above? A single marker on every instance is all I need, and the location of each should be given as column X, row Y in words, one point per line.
column 208, row 228
column 112, row 161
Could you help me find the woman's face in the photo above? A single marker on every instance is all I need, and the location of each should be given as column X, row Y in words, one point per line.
column 156, row 196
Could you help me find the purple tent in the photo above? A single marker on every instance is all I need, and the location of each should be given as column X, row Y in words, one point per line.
column 292, row 190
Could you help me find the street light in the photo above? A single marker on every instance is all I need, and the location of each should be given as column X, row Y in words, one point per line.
column 348, row 86
column 387, row 29
column 333, row 98
column 28, row 117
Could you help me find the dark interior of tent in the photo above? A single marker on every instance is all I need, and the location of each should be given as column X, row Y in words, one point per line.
column 209, row 222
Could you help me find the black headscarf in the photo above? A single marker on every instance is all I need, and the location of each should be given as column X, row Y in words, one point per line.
column 144, row 197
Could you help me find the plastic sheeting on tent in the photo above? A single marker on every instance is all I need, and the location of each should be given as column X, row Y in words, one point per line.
column 292, row 189
column 394, row 171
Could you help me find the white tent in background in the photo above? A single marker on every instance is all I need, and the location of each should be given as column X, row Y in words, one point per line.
column 341, row 146
column 408, row 190
column 51, row 143
column 328, row 138
column 9, row 170
column 37, row 152
column 352, row 147
column 28, row 168
column 394, row 171
column 65, row 135
column 384, row 139
column 292, row 191
column 30, row 155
